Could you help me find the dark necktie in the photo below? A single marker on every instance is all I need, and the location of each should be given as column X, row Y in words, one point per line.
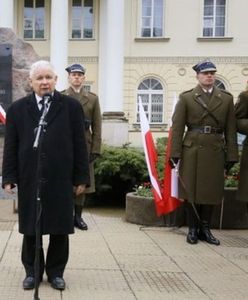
column 42, row 103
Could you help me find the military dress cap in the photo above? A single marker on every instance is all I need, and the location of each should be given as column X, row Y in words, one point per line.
column 76, row 68
column 204, row 66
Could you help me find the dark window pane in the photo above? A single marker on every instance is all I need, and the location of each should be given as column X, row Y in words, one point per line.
column 39, row 34
column 208, row 2
column 76, row 34
column 39, row 3
column 76, row 3
column 88, row 3
column 88, row 33
column 208, row 10
column 220, row 2
column 220, row 10
column 146, row 32
column 207, row 31
column 28, row 3
column 28, row 34
column 220, row 21
column 220, row 31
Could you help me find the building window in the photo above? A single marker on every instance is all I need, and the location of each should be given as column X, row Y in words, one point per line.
column 214, row 18
column 151, row 92
column 152, row 18
column 219, row 84
column 82, row 19
column 34, row 19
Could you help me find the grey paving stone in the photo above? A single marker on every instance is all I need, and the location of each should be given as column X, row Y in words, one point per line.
column 156, row 285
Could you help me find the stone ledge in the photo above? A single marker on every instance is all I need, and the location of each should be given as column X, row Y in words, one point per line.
column 141, row 210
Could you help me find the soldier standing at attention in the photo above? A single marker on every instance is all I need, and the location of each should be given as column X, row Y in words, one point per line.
column 93, row 124
column 241, row 110
column 206, row 150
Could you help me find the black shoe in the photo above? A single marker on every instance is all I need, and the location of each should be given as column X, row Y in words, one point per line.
column 57, row 283
column 28, row 283
column 79, row 223
column 206, row 235
column 192, row 236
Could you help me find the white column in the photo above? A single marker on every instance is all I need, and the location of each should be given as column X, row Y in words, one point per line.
column 7, row 13
column 59, row 40
column 111, row 54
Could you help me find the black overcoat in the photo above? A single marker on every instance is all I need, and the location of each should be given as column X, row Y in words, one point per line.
column 64, row 161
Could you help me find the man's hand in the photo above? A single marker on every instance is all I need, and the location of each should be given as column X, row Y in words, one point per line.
column 228, row 166
column 173, row 162
column 79, row 189
column 8, row 188
column 93, row 156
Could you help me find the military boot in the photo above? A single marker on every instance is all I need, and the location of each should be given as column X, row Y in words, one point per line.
column 78, row 220
column 206, row 235
column 192, row 236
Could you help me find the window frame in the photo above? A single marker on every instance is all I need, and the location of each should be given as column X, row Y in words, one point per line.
column 152, row 22
column 33, row 38
column 150, row 92
column 82, row 22
column 214, row 21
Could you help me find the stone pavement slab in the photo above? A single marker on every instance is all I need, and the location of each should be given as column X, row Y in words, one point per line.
column 118, row 260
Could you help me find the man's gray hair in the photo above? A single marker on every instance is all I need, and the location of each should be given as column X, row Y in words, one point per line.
column 40, row 64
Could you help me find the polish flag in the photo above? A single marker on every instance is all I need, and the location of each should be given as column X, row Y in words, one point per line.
column 151, row 159
column 2, row 115
column 170, row 192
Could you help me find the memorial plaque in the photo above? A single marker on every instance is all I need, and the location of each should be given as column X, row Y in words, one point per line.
column 5, row 78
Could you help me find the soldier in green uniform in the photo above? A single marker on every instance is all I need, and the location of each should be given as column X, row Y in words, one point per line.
column 205, row 150
column 93, row 121
column 241, row 110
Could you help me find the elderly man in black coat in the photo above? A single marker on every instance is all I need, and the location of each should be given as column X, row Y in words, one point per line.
column 64, row 170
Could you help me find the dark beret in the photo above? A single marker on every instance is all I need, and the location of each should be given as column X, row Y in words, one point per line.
column 76, row 68
column 204, row 66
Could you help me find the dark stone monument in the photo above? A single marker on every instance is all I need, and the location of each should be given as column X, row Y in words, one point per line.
column 16, row 57
column 5, row 78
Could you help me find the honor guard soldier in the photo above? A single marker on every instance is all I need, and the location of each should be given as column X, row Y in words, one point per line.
column 93, row 124
column 205, row 150
column 241, row 110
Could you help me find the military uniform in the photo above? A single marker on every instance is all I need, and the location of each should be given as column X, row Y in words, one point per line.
column 207, row 147
column 241, row 110
column 93, row 121
column 203, row 155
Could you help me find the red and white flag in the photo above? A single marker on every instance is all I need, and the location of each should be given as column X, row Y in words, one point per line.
column 170, row 192
column 2, row 115
column 151, row 160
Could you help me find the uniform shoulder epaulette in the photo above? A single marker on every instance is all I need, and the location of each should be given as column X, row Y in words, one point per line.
column 226, row 92
column 188, row 91
column 92, row 93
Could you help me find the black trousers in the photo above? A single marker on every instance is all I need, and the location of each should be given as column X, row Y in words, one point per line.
column 204, row 211
column 56, row 259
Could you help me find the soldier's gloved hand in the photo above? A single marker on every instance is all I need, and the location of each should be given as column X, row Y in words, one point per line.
column 173, row 161
column 93, row 156
column 229, row 165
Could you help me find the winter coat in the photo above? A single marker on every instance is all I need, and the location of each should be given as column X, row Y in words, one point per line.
column 203, row 155
column 93, row 126
column 63, row 161
column 241, row 110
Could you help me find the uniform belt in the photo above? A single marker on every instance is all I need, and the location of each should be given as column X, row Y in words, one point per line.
column 207, row 129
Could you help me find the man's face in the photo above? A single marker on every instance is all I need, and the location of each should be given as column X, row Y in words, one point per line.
column 206, row 79
column 43, row 81
column 76, row 79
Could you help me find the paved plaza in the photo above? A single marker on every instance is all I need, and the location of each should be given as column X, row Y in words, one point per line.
column 119, row 260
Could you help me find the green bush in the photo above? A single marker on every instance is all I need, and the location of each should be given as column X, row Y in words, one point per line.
column 117, row 171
